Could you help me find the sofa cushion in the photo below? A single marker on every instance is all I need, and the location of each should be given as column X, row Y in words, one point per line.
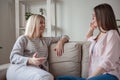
column 68, row 63
column 3, row 70
column 3, row 74
column 85, row 59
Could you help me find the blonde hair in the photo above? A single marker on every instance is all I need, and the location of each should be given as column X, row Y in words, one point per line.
column 33, row 26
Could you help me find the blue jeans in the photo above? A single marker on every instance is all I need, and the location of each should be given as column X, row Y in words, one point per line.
column 100, row 77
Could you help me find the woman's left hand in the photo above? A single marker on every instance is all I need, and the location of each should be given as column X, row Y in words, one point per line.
column 59, row 48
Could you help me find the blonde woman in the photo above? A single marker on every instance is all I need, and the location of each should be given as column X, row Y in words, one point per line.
column 29, row 55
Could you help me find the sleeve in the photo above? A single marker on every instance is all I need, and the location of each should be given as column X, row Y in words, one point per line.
column 17, row 53
column 56, row 39
column 111, row 53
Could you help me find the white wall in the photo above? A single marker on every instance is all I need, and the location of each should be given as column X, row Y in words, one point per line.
column 74, row 16
column 35, row 6
column 7, row 29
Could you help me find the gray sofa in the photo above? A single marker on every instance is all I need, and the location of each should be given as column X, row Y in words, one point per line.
column 74, row 60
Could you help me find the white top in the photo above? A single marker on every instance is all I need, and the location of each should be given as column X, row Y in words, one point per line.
column 105, row 53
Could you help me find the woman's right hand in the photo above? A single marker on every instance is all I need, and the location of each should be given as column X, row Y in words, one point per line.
column 35, row 60
column 92, row 25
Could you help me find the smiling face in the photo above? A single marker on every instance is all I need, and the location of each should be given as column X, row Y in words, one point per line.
column 39, row 25
column 35, row 26
column 42, row 26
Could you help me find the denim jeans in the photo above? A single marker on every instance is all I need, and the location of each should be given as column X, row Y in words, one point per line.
column 100, row 77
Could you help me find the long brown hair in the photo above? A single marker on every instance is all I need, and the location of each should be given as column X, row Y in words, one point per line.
column 105, row 17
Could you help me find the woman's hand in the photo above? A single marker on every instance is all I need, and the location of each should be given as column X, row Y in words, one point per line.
column 59, row 48
column 93, row 25
column 35, row 60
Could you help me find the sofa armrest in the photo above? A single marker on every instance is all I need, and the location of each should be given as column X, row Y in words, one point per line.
column 3, row 70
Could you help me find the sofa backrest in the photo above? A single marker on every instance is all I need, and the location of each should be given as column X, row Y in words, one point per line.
column 68, row 63
column 73, row 62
